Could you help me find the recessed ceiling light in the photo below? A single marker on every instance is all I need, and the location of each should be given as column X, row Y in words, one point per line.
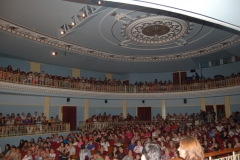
column 54, row 53
column 83, row 14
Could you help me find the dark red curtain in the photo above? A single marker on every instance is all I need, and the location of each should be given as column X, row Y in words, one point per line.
column 208, row 108
column 69, row 115
column 183, row 76
column 144, row 113
column 176, row 78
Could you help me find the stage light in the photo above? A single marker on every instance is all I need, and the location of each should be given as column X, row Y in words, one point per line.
column 54, row 53
column 99, row 2
column 62, row 32
column 73, row 23
column 83, row 14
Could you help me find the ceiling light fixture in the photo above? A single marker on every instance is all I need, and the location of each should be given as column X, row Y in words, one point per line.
column 84, row 15
column 62, row 32
column 73, row 23
column 54, row 53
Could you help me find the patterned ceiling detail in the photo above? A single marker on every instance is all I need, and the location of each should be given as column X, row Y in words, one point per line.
column 155, row 29
column 32, row 35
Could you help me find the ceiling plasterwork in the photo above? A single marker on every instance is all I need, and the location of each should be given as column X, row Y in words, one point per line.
column 155, row 29
column 147, row 30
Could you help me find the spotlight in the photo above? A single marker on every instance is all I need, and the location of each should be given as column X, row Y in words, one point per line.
column 54, row 53
column 73, row 23
column 84, row 14
column 62, row 32
column 99, row 2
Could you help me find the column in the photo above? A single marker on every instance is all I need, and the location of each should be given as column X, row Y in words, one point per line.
column 76, row 72
column 60, row 113
column 34, row 67
column 124, row 108
column 203, row 104
column 164, row 109
column 227, row 106
column 86, row 109
column 108, row 76
column 46, row 107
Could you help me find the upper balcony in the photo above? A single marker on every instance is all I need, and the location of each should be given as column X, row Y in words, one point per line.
column 70, row 87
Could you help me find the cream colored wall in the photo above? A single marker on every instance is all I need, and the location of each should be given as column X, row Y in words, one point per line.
column 35, row 67
column 109, row 76
column 76, row 72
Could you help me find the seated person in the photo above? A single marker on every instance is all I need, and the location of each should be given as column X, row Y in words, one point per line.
column 28, row 156
column 121, row 153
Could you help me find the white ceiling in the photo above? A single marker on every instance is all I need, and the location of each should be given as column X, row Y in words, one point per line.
column 100, row 37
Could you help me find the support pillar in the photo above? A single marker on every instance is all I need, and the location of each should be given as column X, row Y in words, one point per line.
column 124, row 108
column 203, row 104
column 46, row 107
column 227, row 106
column 86, row 109
column 163, row 109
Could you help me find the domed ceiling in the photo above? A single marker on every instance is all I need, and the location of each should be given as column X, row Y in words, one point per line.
column 110, row 37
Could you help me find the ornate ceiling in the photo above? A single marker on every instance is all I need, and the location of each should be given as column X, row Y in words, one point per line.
column 113, row 37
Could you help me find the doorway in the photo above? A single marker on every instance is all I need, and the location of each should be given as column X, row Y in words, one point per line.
column 144, row 113
column 69, row 115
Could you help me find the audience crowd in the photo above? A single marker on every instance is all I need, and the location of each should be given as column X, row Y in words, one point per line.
column 126, row 142
column 35, row 123
column 44, row 79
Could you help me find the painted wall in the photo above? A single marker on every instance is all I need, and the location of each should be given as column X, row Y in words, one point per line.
column 108, row 110
column 225, row 70
column 149, row 77
column 56, row 70
column 183, row 109
column 94, row 74
column 132, row 111
column 113, row 107
column 15, row 63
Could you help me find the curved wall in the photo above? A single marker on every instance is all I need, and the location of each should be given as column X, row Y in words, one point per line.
column 16, row 98
column 27, row 66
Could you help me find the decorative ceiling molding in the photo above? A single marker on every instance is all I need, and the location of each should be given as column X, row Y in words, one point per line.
column 155, row 29
column 36, row 90
column 32, row 35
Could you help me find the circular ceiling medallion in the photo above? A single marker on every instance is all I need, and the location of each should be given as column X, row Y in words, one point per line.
column 156, row 29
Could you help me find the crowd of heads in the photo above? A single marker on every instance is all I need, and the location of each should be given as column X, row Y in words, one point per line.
column 171, row 137
column 26, row 119
column 111, row 118
column 44, row 79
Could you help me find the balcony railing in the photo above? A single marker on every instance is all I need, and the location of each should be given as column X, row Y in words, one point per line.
column 19, row 130
column 227, row 154
column 76, row 85
column 101, row 125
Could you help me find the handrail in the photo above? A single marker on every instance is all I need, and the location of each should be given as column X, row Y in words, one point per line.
column 21, row 129
column 74, row 84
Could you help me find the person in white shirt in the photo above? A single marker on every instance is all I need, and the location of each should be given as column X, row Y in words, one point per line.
column 10, row 121
column 219, row 127
column 105, row 143
column 28, row 156
column 35, row 115
column 23, row 117
column 138, row 148
column 175, row 138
